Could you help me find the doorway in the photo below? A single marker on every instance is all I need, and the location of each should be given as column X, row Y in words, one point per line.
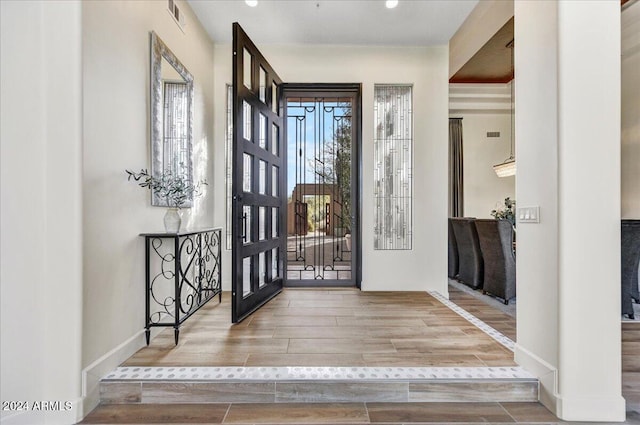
column 314, row 228
column 322, row 137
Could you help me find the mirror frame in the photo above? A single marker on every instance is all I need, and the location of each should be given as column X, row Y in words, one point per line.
column 159, row 50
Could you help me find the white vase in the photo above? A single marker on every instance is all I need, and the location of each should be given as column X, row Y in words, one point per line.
column 172, row 220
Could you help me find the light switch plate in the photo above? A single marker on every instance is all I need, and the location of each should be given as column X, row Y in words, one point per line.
column 528, row 214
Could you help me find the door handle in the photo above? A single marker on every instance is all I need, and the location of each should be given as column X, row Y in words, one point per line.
column 243, row 219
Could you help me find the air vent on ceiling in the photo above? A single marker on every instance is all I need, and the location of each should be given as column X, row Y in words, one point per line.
column 493, row 134
column 174, row 10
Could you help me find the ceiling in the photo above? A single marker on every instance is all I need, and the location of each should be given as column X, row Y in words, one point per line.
column 492, row 63
column 336, row 22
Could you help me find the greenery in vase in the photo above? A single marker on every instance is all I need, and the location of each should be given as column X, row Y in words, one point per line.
column 506, row 213
column 173, row 188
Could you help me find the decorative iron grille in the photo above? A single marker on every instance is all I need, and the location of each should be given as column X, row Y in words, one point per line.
column 319, row 137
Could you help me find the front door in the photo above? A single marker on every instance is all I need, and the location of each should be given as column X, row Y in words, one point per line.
column 322, row 123
column 259, row 198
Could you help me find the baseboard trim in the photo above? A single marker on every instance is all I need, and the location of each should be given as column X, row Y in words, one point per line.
column 600, row 409
column 445, row 291
column 546, row 373
column 92, row 374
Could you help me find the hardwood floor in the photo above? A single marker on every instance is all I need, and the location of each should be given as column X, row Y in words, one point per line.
column 334, row 327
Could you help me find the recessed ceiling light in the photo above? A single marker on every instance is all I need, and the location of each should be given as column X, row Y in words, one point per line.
column 251, row 3
column 391, row 4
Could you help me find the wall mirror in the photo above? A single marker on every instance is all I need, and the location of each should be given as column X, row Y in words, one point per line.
column 171, row 117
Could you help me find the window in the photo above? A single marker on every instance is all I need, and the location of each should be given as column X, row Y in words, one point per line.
column 393, row 140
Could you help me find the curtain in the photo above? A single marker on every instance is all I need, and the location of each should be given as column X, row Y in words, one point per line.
column 456, row 176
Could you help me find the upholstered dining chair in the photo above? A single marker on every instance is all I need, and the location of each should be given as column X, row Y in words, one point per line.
column 630, row 256
column 496, row 243
column 452, row 253
column 470, row 265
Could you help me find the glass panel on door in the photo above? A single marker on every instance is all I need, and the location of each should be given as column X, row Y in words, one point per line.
column 319, row 188
column 253, row 240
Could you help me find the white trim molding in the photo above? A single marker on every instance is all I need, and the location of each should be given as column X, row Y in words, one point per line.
column 595, row 408
column 92, row 374
column 545, row 372
column 492, row 98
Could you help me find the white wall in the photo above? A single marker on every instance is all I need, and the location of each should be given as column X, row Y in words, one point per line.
column 483, row 189
column 589, row 181
column 631, row 112
column 536, row 147
column 424, row 267
column 569, row 167
column 484, row 108
column 41, row 261
column 116, row 137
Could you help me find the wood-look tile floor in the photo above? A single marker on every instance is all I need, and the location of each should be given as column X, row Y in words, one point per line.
column 330, row 413
column 493, row 317
column 335, row 327
column 324, row 413
column 357, row 322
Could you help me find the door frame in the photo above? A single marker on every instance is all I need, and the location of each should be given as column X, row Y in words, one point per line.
column 329, row 90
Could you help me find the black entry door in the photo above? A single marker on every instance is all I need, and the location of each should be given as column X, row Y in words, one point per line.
column 259, row 198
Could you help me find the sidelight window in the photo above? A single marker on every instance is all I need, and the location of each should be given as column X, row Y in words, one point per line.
column 393, row 140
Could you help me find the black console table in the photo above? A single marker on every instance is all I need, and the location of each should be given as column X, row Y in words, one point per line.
column 183, row 272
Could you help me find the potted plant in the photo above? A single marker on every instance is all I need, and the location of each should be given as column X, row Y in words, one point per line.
column 175, row 189
column 507, row 212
